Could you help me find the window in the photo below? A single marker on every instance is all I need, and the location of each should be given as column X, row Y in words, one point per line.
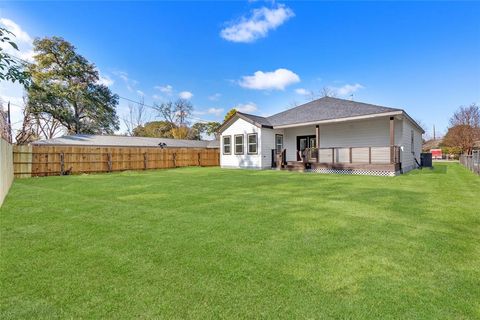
column 227, row 144
column 412, row 149
column 278, row 143
column 239, row 144
column 252, row 143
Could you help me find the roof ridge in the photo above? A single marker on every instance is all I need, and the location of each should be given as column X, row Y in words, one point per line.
column 334, row 98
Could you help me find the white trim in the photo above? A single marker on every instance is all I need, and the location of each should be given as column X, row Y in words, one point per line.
column 369, row 116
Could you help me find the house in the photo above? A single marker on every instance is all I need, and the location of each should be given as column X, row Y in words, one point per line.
column 327, row 135
column 87, row 140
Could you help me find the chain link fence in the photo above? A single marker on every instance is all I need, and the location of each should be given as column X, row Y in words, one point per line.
column 471, row 162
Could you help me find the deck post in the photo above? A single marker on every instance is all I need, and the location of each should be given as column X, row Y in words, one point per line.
column 317, row 141
column 392, row 139
column 333, row 155
column 369, row 155
column 350, row 155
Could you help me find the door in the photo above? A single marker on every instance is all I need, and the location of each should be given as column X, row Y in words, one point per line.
column 304, row 142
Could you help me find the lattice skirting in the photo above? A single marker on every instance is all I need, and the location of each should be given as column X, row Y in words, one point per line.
column 356, row 171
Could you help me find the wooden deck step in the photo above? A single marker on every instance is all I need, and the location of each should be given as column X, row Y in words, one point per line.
column 295, row 166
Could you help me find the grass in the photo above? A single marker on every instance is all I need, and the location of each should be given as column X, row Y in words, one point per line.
column 211, row 243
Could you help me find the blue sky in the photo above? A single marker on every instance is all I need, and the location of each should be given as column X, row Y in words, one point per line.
column 264, row 57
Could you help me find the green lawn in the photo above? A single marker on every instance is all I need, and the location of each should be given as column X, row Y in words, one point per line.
column 211, row 243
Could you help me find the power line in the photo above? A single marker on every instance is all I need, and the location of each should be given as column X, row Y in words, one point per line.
column 119, row 96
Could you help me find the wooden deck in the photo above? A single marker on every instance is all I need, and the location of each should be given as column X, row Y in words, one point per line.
column 345, row 160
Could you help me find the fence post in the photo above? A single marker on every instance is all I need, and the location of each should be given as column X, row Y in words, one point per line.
column 175, row 159
column 109, row 162
column 144, row 161
column 62, row 164
column 199, row 160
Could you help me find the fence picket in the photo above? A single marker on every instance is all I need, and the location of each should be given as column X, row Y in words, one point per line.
column 55, row 160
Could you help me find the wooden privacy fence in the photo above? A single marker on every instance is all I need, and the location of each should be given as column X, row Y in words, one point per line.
column 58, row 160
column 472, row 162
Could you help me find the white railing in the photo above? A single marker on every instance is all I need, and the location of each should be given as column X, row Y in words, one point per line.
column 370, row 155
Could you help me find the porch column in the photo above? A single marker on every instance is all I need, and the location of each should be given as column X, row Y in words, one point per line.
column 317, row 141
column 392, row 139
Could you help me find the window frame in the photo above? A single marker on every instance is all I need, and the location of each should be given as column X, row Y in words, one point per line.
column 223, row 144
column 235, row 144
column 256, row 143
column 412, row 141
column 276, row 144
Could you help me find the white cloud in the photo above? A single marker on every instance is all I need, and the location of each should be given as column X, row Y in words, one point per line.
column 20, row 34
column 9, row 91
column 187, row 95
column 302, row 91
column 214, row 97
column 246, row 107
column 347, row 89
column 276, row 80
column 165, row 89
column 215, row 111
column 257, row 25
column 105, row 80
column 129, row 83
column 140, row 93
column 21, row 38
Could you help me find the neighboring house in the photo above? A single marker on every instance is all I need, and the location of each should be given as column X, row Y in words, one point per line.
column 327, row 135
column 124, row 141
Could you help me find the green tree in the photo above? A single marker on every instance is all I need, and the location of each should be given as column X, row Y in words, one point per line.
column 229, row 114
column 65, row 86
column 197, row 130
column 465, row 129
column 11, row 69
column 212, row 128
column 154, row 129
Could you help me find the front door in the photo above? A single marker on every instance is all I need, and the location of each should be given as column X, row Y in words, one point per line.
column 304, row 142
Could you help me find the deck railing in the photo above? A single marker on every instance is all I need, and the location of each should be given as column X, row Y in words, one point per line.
column 370, row 155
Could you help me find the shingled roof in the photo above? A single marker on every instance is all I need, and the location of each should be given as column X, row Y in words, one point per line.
column 326, row 108
column 124, row 141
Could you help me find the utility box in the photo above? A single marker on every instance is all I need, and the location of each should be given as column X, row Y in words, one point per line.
column 426, row 160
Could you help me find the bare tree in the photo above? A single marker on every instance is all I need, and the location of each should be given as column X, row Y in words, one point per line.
column 46, row 126
column 28, row 132
column 328, row 92
column 469, row 116
column 137, row 116
column 5, row 129
column 183, row 110
column 176, row 113
column 324, row 92
column 37, row 125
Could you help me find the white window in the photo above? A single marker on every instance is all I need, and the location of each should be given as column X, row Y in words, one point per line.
column 227, row 144
column 278, row 143
column 239, row 144
column 252, row 143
